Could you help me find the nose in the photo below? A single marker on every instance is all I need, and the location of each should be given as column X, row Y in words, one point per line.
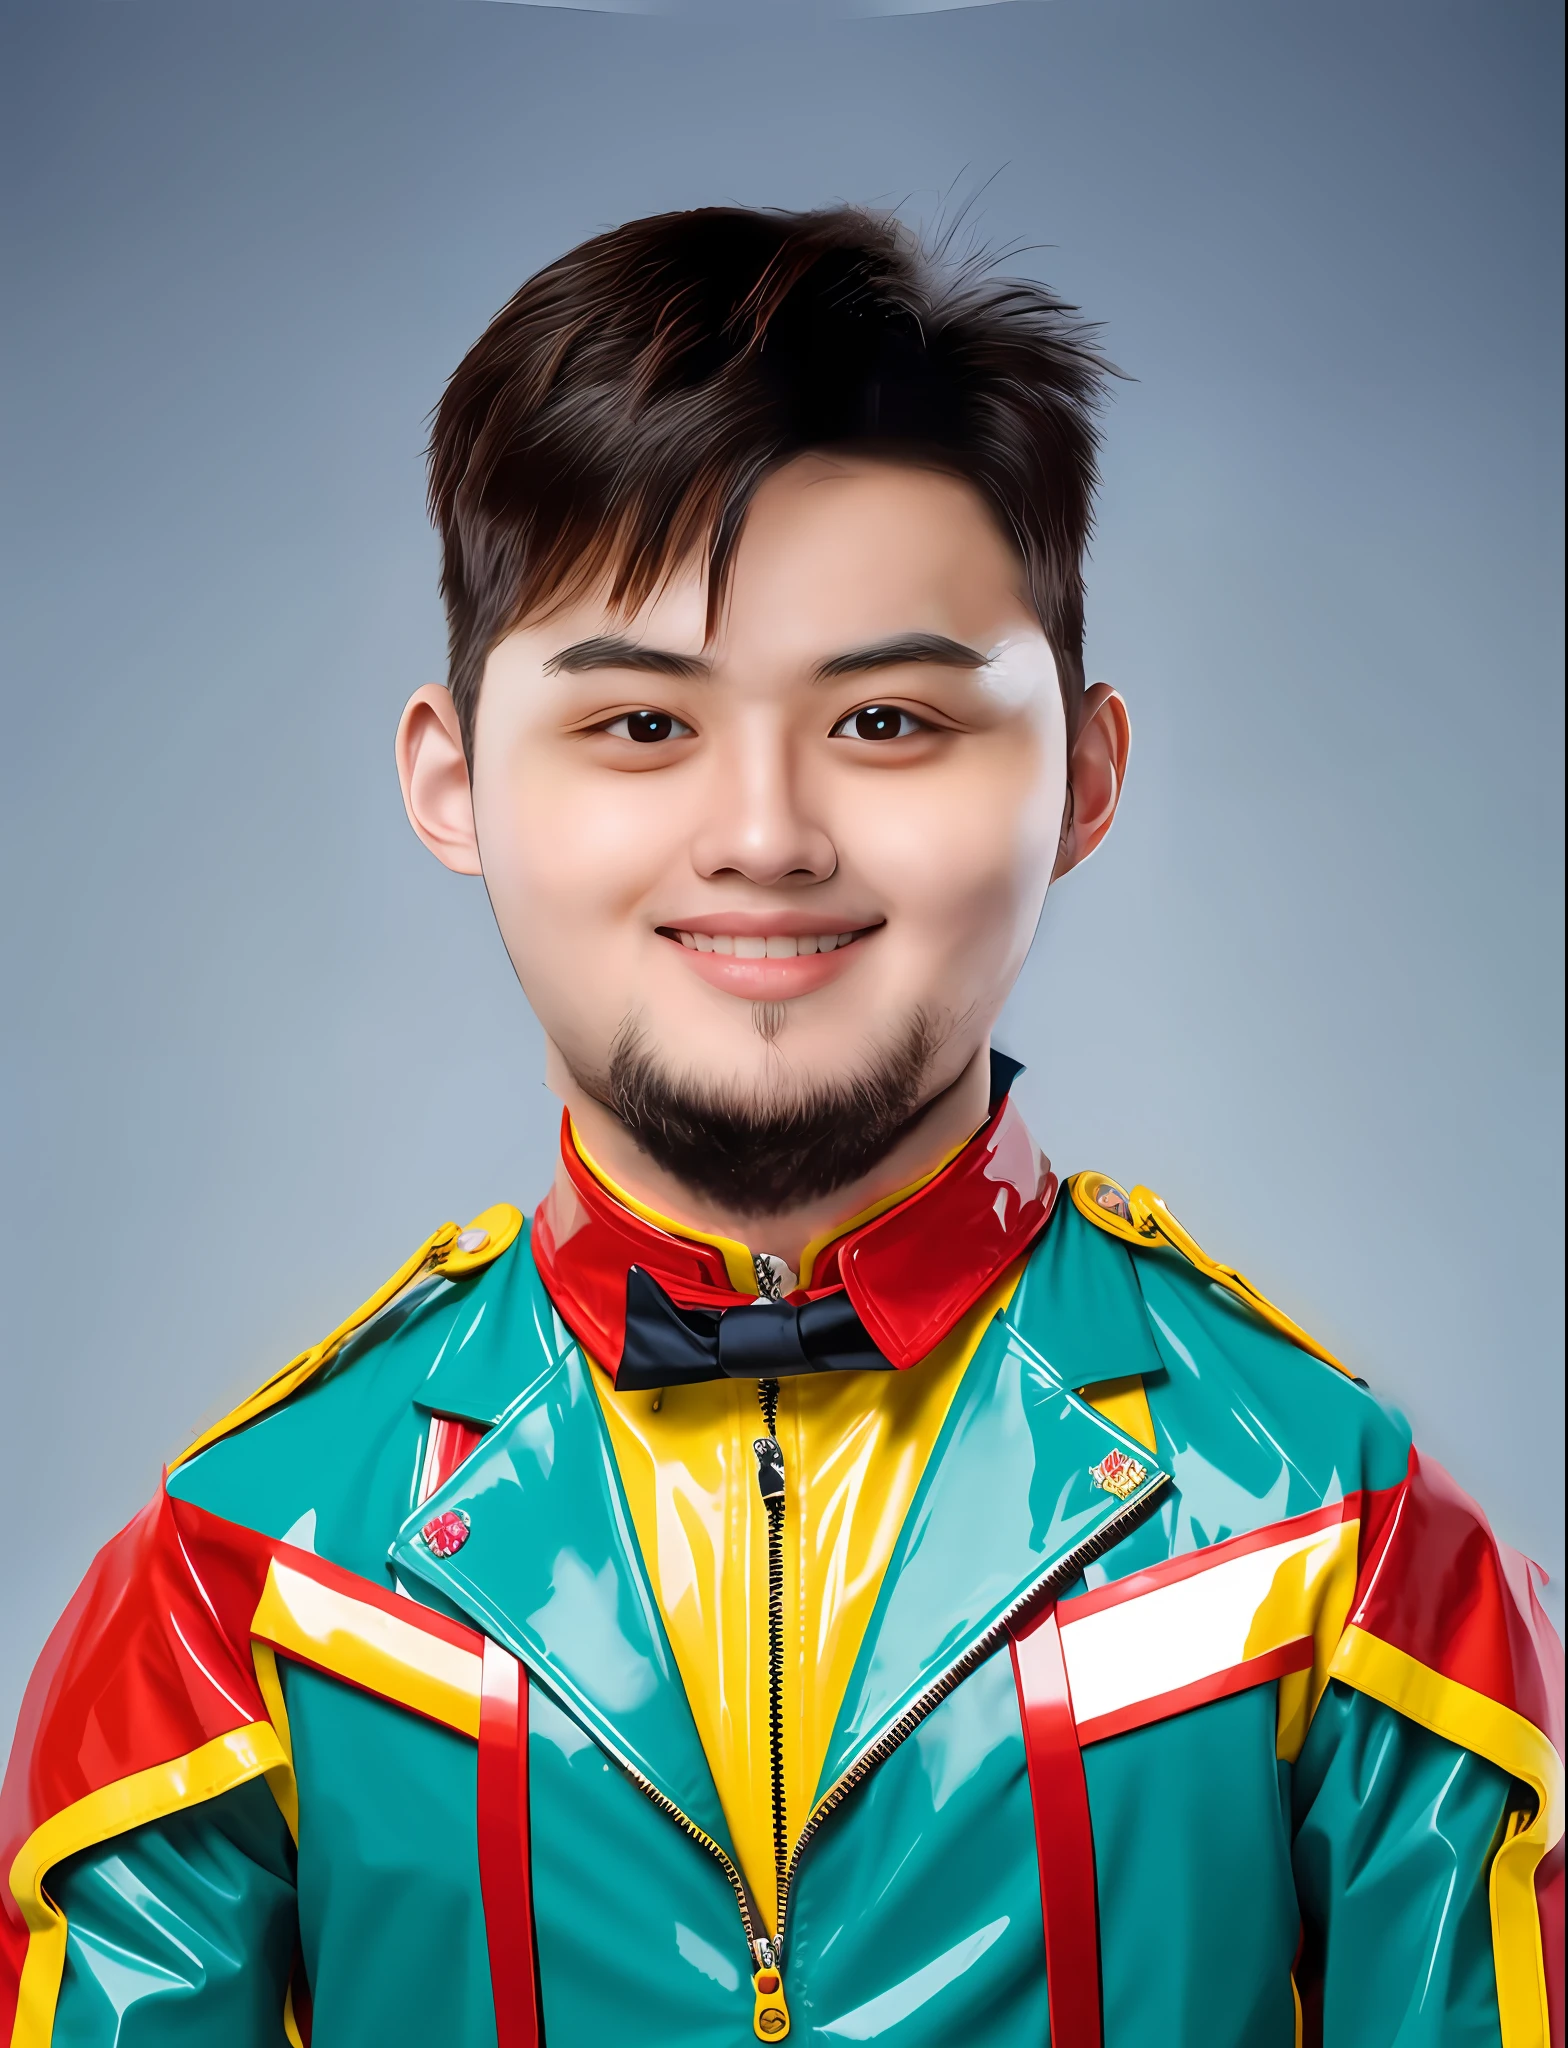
column 757, row 820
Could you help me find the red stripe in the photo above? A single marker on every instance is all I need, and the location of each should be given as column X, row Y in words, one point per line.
column 1169, row 1573
column 1218, row 1685
column 152, row 1659
column 1064, row 1837
column 505, row 1877
column 1437, row 1584
column 449, row 1443
column 234, row 1563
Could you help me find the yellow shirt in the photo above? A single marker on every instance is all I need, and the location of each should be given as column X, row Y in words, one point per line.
column 855, row 1445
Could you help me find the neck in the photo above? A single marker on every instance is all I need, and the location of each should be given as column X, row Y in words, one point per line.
column 942, row 1126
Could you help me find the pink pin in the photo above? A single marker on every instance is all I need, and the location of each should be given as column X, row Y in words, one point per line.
column 445, row 1534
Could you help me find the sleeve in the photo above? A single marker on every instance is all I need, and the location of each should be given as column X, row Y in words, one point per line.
column 180, row 1933
column 1396, row 1829
column 1429, row 1793
column 146, row 1812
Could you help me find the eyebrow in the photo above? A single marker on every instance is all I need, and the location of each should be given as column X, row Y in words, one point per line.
column 932, row 648
column 611, row 651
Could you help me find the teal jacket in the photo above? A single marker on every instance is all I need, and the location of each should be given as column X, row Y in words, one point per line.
column 1321, row 1797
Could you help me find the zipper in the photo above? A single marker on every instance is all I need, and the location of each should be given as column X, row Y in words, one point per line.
column 1060, row 1574
column 770, row 1483
column 768, row 1955
column 770, row 2014
column 755, row 1942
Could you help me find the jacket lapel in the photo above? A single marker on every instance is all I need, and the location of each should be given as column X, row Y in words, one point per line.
column 1009, row 1510
column 550, row 1567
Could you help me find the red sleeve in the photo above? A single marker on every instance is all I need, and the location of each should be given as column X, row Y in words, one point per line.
column 1439, row 1591
column 141, row 1670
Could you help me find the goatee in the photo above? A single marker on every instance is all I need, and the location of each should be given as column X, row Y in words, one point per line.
column 764, row 1154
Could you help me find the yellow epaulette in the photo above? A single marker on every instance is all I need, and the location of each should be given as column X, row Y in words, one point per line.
column 450, row 1252
column 1141, row 1218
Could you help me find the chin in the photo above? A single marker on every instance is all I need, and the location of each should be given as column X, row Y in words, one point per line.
column 768, row 1042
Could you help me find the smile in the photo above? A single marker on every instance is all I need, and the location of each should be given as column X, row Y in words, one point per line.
column 765, row 966
column 774, row 946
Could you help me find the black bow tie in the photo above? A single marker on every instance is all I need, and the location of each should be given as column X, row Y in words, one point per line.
column 668, row 1346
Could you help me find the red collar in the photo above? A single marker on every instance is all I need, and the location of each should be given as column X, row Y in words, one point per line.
column 910, row 1272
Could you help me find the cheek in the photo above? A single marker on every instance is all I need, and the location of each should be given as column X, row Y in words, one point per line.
column 966, row 868
column 561, row 864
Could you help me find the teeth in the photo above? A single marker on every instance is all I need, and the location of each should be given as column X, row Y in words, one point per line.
column 775, row 948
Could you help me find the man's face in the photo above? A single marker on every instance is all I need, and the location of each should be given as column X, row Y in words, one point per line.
column 771, row 857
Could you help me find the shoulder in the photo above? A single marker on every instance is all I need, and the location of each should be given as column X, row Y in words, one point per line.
column 321, row 1454
column 1255, row 1419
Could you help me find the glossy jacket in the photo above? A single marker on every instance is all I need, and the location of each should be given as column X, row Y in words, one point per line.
column 252, row 1796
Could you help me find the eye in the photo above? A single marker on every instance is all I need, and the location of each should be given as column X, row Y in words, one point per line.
column 647, row 727
column 879, row 722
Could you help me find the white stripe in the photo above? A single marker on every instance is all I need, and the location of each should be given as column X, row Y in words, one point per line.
column 1197, row 1627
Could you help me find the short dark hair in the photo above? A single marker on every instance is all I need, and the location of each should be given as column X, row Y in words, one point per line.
column 620, row 411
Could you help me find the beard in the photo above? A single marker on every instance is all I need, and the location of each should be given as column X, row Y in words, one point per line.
column 765, row 1152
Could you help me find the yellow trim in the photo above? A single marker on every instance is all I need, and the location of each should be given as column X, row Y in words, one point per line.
column 855, row 1447
column 216, row 1767
column 1295, row 1999
column 438, row 1254
column 1150, row 1222
column 737, row 1256
column 500, row 1224
column 370, row 1648
column 264, row 1657
column 1125, row 1405
column 1085, row 1187
column 737, row 1259
column 814, row 1249
column 1474, row 1722
column 1327, row 1592
column 295, row 2039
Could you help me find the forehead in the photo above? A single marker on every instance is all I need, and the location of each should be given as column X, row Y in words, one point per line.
column 837, row 550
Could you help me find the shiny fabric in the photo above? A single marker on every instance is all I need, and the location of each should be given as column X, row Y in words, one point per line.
column 176, row 1933
column 1063, row 1831
column 855, row 1450
column 671, row 1308
column 914, row 1921
column 505, row 1867
column 1367, row 1858
column 666, row 1346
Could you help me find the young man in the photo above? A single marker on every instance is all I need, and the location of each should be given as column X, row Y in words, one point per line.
column 826, row 1574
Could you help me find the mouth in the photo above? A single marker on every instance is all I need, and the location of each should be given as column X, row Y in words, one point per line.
column 765, row 965
column 760, row 946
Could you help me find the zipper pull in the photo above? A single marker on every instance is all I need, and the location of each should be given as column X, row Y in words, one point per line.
column 774, row 1278
column 769, row 2013
column 770, row 1468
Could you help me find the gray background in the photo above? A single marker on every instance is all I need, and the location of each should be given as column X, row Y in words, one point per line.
column 257, row 1044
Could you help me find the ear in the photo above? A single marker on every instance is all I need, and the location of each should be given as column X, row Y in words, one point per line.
column 433, row 769
column 1096, row 770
